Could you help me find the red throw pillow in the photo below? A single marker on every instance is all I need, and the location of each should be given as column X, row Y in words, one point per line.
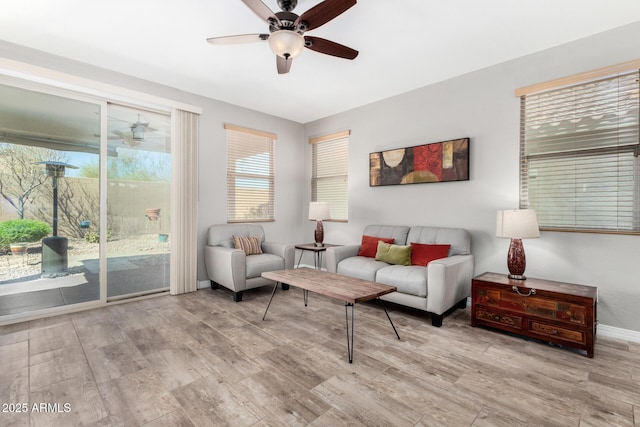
column 369, row 246
column 422, row 254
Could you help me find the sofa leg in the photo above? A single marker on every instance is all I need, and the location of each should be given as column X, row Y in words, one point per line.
column 214, row 285
column 285, row 287
column 436, row 320
column 237, row 296
column 462, row 304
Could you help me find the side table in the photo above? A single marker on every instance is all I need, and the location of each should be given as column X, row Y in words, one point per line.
column 317, row 250
column 562, row 313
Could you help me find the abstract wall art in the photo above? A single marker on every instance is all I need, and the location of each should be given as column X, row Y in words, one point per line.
column 437, row 162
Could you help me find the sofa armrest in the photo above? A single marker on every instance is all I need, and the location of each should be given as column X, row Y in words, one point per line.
column 336, row 254
column 448, row 282
column 288, row 252
column 226, row 266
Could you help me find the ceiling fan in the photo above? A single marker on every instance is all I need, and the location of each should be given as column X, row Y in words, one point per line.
column 136, row 135
column 286, row 37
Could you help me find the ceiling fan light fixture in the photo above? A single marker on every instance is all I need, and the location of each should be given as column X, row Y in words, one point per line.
column 286, row 43
column 138, row 132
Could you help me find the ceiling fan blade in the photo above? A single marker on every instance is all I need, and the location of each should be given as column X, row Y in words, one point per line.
column 262, row 10
column 324, row 12
column 330, row 48
column 242, row 38
column 284, row 65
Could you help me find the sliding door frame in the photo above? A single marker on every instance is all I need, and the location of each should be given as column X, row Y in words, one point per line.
column 35, row 78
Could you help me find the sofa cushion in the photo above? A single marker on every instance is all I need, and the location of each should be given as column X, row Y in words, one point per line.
column 222, row 234
column 397, row 232
column 410, row 279
column 369, row 245
column 250, row 245
column 360, row 267
column 393, row 254
column 423, row 254
column 258, row 264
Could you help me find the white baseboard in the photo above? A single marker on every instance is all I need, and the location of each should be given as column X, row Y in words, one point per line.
column 618, row 333
column 204, row 284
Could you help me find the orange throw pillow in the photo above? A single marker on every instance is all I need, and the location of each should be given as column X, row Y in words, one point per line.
column 423, row 254
column 369, row 246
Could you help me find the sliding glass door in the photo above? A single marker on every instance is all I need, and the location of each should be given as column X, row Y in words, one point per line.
column 138, row 194
column 50, row 200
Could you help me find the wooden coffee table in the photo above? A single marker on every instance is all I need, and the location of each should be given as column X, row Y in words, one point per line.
column 343, row 288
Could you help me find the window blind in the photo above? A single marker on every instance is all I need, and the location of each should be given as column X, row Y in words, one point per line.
column 250, row 175
column 579, row 155
column 329, row 180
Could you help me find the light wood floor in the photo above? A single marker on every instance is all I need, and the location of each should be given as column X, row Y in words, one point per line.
column 201, row 359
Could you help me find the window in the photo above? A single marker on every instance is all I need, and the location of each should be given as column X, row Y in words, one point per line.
column 250, row 176
column 330, row 156
column 579, row 166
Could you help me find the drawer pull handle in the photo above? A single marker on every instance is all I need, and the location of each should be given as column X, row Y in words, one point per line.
column 531, row 291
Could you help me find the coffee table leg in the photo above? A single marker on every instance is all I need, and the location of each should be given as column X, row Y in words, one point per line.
column 272, row 294
column 392, row 325
column 349, row 337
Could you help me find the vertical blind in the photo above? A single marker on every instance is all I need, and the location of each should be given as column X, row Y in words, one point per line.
column 579, row 155
column 250, row 175
column 329, row 177
column 184, row 203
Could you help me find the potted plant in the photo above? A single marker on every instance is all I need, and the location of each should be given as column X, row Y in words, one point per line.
column 152, row 213
column 19, row 247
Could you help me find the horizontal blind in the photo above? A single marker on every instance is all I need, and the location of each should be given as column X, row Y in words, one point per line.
column 250, row 175
column 579, row 155
column 329, row 178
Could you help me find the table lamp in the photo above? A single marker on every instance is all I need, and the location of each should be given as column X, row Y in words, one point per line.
column 517, row 224
column 319, row 211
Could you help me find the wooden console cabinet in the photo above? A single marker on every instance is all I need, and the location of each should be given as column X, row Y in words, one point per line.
column 562, row 313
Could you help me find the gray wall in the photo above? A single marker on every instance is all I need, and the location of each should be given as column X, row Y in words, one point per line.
column 482, row 105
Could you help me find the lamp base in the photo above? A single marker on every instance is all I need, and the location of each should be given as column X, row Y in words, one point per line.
column 516, row 261
column 319, row 233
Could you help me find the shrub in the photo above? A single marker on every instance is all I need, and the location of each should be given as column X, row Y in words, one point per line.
column 22, row 230
column 94, row 237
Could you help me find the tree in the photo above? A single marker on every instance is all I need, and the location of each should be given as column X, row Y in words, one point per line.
column 132, row 165
column 21, row 174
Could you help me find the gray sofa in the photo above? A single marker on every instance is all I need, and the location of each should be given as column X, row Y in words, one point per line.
column 440, row 286
column 232, row 268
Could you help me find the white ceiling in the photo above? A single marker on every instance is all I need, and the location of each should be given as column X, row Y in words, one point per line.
column 403, row 44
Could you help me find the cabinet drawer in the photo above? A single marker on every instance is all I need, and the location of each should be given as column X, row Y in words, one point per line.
column 499, row 318
column 556, row 332
column 548, row 307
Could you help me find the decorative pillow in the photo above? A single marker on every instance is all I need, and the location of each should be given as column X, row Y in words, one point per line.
column 423, row 254
column 369, row 245
column 393, row 254
column 250, row 245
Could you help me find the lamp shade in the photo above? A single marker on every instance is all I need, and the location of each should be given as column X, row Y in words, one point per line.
column 319, row 210
column 286, row 43
column 517, row 224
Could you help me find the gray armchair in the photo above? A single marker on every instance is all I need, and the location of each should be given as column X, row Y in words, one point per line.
column 235, row 270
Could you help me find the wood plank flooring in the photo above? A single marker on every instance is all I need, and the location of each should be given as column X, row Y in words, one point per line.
column 202, row 360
